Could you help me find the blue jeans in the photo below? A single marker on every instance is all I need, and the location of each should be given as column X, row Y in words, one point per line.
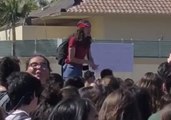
column 70, row 71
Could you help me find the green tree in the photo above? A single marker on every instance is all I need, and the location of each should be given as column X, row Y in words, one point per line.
column 11, row 11
column 42, row 3
column 54, row 1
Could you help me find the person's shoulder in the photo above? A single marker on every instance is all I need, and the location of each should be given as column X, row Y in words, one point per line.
column 72, row 38
column 72, row 41
column 18, row 115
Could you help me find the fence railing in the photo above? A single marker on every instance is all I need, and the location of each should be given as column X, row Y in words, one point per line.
column 27, row 48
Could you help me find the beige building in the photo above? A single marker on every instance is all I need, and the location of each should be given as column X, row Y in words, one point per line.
column 37, row 32
column 111, row 20
column 104, row 27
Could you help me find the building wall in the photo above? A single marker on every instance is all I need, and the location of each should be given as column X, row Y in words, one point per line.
column 46, row 32
column 136, row 27
column 98, row 26
column 141, row 66
column 7, row 34
column 104, row 27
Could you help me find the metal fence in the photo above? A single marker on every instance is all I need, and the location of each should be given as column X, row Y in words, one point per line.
column 27, row 48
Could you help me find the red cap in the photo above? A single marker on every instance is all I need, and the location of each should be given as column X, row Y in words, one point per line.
column 83, row 24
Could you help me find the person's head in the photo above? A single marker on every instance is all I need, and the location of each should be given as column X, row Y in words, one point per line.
column 76, row 82
column 109, row 84
column 23, row 90
column 166, row 87
column 106, row 72
column 83, row 34
column 90, row 92
column 164, row 70
column 119, row 105
column 7, row 66
column 165, row 113
column 165, row 100
column 128, row 82
column 143, row 99
column 85, row 26
column 39, row 66
column 51, row 94
column 89, row 77
column 69, row 92
column 74, row 109
column 57, row 79
column 150, row 80
column 153, row 83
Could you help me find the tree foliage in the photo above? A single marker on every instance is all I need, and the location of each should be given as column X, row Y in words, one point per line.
column 11, row 11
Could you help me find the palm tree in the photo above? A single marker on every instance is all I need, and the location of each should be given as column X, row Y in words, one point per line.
column 11, row 11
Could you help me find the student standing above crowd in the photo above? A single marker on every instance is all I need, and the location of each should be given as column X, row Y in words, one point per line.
column 78, row 49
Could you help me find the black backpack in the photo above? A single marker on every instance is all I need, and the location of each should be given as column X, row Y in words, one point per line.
column 62, row 52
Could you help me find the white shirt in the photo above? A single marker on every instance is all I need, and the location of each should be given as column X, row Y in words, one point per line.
column 18, row 115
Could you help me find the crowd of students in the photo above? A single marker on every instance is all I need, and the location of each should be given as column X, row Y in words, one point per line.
column 39, row 94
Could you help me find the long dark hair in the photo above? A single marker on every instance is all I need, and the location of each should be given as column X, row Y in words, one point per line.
column 119, row 105
column 50, row 96
column 152, row 83
column 8, row 65
column 81, row 39
column 71, row 109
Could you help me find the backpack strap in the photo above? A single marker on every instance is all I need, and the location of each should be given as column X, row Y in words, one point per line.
column 3, row 99
column 62, row 71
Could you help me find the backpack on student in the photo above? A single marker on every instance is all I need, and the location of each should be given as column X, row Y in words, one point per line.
column 3, row 98
column 4, row 101
column 62, row 52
